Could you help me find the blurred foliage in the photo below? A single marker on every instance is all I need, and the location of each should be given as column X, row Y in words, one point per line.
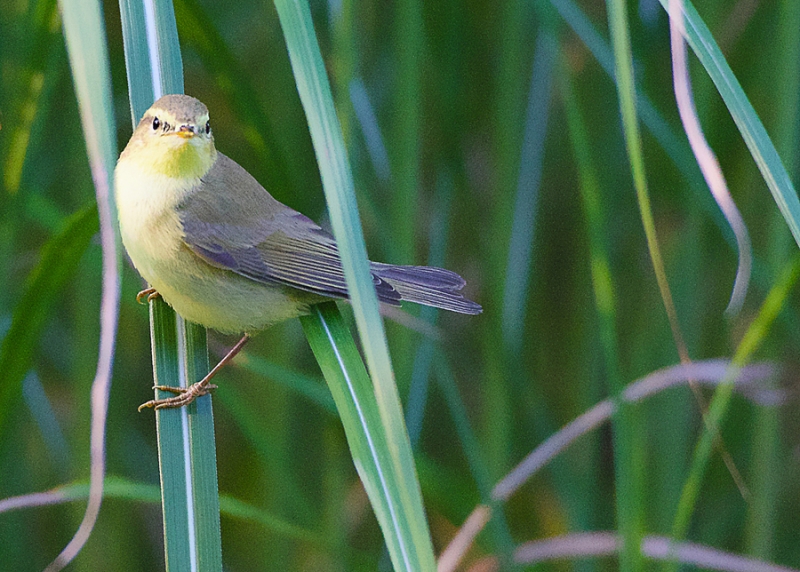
column 449, row 85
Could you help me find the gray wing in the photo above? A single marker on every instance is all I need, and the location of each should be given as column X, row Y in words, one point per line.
column 268, row 242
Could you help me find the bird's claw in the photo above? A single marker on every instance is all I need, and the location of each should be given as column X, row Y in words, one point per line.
column 183, row 395
column 149, row 293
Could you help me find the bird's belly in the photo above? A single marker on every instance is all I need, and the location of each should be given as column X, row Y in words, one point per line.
column 227, row 302
column 213, row 297
column 217, row 298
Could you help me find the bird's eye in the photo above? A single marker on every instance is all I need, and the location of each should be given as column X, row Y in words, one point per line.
column 208, row 128
column 156, row 123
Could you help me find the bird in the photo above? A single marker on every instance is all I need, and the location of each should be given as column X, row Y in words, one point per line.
column 216, row 246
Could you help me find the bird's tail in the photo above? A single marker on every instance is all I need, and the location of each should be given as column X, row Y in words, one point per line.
column 427, row 285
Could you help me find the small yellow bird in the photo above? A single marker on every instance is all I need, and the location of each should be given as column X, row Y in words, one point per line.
column 218, row 248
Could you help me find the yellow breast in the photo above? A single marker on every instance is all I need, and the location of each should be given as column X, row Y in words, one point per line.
column 146, row 204
column 153, row 237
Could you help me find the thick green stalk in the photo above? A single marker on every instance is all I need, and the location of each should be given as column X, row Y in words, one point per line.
column 187, row 453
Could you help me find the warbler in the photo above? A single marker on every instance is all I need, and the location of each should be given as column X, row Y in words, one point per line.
column 219, row 249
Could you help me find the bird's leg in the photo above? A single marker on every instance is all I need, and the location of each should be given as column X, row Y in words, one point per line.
column 150, row 293
column 185, row 395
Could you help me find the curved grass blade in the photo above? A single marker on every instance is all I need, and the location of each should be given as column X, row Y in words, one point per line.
column 91, row 73
column 753, row 132
column 404, row 526
column 126, row 489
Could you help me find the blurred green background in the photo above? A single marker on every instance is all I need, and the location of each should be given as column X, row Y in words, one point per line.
column 455, row 121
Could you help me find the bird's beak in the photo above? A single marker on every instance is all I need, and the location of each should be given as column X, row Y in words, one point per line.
column 186, row 131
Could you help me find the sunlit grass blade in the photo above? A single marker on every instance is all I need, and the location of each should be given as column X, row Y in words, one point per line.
column 404, row 526
column 755, row 136
column 45, row 31
column 57, row 264
column 187, row 453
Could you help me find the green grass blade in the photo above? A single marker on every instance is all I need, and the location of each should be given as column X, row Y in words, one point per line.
column 185, row 447
column 171, row 448
column 187, row 452
column 57, row 265
column 412, row 539
column 203, row 454
column 125, row 489
column 627, row 456
column 338, row 357
column 753, row 132
column 754, row 336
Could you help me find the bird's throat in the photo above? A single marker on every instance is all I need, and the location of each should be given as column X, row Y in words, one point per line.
column 175, row 157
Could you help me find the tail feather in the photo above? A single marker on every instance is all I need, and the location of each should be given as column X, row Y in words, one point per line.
column 427, row 285
column 438, row 278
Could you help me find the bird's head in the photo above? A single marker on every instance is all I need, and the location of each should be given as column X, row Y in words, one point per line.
column 173, row 139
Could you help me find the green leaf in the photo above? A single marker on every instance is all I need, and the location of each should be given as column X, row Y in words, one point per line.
column 125, row 489
column 57, row 265
column 403, row 523
column 341, row 364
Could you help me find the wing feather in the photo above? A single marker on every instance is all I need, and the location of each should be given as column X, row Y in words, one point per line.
column 270, row 243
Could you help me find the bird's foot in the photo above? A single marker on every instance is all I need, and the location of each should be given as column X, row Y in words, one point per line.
column 183, row 395
column 150, row 294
